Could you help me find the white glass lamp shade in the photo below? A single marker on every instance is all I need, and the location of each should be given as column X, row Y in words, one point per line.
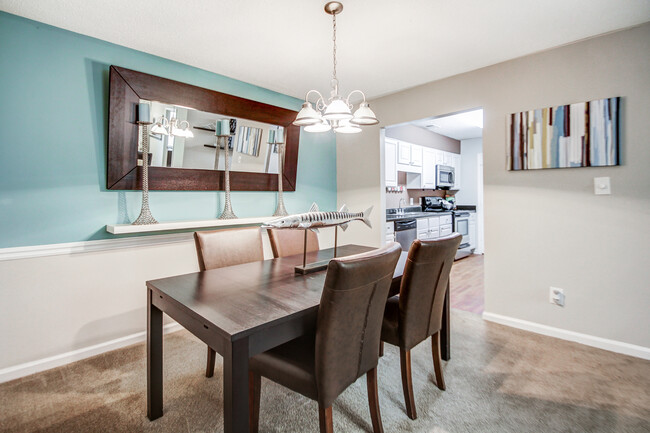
column 307, row 116
column 364, row 116
column 187, row 132
column 158, row 128
column 337, row 110
column 345, row 127
column 319, row 127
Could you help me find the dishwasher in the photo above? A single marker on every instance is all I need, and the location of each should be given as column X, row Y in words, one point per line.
column 405, row 233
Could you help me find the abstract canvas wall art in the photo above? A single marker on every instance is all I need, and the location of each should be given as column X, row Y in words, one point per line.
column 585, row 134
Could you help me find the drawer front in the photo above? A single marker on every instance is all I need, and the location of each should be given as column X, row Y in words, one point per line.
column 445, row 230
column 434, row 234
column 423, row 224
column 423, row 235
column 390, row 228
column 434, row 223
column 445, row 219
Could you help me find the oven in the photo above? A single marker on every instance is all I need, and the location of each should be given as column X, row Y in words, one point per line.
column 461, row 226
column 445, row 177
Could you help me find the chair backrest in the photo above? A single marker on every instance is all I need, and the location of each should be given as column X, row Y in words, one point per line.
column 424, row 284
column 220, row 248
column 291, row 242
column 349, row 318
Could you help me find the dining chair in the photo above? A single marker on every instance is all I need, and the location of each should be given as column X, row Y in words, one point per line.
column 416, row 313
column 345, row 343
column 292, row 242
column 221, row 248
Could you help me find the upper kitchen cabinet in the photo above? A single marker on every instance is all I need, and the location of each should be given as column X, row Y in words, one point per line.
column 429, row 168
column 403, row 153
column 409, row 157
column 390, row 162
column 456, row 164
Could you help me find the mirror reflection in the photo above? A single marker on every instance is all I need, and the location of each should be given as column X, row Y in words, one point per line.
column 182, row 137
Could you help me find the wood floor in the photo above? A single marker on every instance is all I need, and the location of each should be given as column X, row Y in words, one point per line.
column 466, row 290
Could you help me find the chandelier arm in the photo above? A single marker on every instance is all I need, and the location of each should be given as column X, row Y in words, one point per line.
column 347, row 100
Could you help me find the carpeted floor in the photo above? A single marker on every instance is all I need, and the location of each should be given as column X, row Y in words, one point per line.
column 499, row 380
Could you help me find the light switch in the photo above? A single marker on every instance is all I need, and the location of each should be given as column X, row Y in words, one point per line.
column 602, row 186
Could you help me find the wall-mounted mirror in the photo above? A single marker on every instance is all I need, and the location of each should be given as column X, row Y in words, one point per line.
column 183, row 152
column 181, row 137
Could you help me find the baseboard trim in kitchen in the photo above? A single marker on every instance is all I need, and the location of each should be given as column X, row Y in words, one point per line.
column 27, row 368
column 563, row 334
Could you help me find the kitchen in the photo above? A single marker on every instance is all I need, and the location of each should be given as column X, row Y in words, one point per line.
column 434, row 186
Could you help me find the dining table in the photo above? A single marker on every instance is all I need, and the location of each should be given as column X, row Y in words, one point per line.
column 240, row 311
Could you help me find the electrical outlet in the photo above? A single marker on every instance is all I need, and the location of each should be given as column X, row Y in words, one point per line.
column 556, row 296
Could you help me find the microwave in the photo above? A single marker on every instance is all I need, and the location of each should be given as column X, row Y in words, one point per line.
column 445, row 177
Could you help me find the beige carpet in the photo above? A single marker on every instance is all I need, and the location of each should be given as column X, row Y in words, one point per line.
column 499, row 380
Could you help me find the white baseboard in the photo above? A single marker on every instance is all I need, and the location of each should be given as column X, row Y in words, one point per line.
column 563, row 334
column 21, row 370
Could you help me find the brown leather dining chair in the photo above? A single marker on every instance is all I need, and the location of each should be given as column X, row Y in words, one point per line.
column 291, row 242
column 221, row 248
column 416, row 313
column 345, row 345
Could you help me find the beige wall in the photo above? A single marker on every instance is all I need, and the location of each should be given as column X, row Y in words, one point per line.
column 88, row 298
column 544, row 227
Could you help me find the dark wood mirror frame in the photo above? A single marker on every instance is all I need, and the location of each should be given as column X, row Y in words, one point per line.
column 127, row 87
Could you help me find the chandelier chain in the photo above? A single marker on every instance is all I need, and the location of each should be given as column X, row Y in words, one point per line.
column 334, row 43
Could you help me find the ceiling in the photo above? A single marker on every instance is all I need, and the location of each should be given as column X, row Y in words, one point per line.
column 383, row 46
column 460, row 126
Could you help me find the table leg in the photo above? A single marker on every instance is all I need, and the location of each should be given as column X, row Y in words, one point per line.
column 154, row 360
column 445, row 336
column 235, row 386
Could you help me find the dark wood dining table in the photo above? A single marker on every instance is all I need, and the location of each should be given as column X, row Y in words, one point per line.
column 240, row 311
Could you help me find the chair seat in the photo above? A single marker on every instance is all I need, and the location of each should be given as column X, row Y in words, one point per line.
column 291, row 365
column 390, row 324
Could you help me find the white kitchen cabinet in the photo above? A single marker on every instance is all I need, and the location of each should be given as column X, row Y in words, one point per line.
column 440, row 157
column 448, row 158
column 445, row 230
column 422, row 228
column 428, row 168
column 434, row 228
column 391, row 162
column 390, row 232
column 403, row 153
column 456, row 165
column 416, row 155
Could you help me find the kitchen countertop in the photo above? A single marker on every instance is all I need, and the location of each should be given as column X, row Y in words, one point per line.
column 414, row 215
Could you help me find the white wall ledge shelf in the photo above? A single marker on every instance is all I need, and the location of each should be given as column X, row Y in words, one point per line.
column 120, row 229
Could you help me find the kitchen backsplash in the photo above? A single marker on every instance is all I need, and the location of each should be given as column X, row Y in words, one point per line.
column 393, row 198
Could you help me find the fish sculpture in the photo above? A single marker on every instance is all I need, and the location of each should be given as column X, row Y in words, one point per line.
column 314, row 219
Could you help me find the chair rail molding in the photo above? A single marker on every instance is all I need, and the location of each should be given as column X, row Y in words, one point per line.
column 34, row 251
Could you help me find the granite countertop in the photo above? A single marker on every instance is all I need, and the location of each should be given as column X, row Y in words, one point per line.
column 414, row 215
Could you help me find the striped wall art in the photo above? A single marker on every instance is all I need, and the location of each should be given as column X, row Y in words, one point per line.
column 577, row 135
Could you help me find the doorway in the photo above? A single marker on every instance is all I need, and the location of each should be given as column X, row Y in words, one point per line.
column 454, row 141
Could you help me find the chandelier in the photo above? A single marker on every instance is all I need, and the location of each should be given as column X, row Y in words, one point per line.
column 336, row 113
column 173, row 127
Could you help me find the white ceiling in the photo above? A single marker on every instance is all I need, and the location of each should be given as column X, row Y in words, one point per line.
column 384, row 46
column 460, row 126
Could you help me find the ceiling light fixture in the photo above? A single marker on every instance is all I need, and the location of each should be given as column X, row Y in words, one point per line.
column 336, row 113
column 174, row 127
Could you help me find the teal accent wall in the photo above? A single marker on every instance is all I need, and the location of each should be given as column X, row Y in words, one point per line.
column 53, row 136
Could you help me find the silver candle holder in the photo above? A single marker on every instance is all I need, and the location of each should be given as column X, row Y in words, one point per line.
column 280, row 210
column 227, row 213
column 145, row 216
